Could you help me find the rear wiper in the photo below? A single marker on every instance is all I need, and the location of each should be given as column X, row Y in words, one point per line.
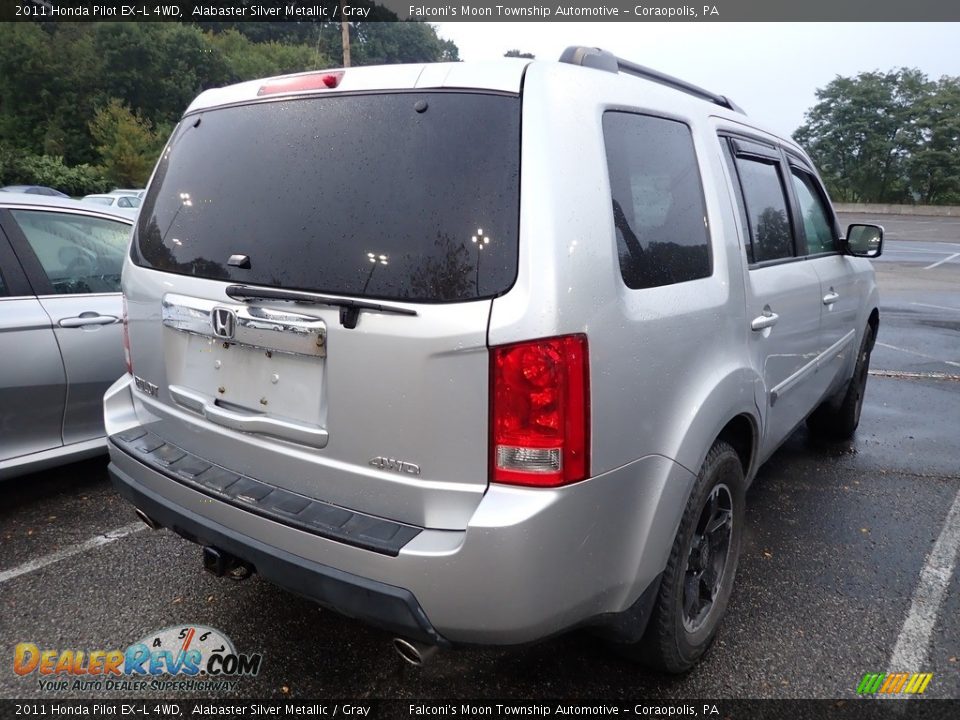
column 349, row 309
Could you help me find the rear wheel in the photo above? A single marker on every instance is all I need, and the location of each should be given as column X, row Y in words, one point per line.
column 838, row 417
column 697, row 581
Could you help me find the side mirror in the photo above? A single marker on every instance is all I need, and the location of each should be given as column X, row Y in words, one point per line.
column 864, row 241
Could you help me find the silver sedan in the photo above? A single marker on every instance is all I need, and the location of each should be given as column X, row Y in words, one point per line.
column 60, row 327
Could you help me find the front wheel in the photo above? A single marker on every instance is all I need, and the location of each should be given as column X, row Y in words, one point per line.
column 698, row 579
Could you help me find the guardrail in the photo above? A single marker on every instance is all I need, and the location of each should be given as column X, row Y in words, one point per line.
column 890, row 209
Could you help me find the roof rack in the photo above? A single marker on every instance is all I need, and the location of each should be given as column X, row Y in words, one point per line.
column 606, row 60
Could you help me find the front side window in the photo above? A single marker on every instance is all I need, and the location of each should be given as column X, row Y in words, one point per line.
column 658, row 208
column 763, row 195
column 738, row 194
column 816, row 220
column 78, row 253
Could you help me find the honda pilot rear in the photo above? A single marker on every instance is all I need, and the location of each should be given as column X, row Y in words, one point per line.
column 309, row 395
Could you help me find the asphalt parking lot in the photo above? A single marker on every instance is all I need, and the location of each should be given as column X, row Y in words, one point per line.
column 847, row 566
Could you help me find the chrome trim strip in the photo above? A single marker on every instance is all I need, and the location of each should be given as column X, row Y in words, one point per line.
column 818, row 362
column 259, row 327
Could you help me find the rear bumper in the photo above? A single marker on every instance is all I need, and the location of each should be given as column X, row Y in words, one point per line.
column 391, row 608
column 530, row 564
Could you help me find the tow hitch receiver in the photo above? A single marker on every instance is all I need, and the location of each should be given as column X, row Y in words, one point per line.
column 223, row 564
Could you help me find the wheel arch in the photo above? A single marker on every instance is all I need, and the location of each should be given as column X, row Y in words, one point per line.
column 729, row 411
column 874, row 322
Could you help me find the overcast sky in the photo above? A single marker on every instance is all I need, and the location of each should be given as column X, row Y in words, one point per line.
column 770, row 70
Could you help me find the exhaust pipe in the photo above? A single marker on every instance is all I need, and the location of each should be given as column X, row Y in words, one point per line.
column 147, row 520
column 415, row 653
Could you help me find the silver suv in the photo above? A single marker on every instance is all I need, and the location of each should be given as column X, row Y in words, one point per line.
column 480, row 353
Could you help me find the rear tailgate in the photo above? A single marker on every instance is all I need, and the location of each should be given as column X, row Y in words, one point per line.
column 404, row 201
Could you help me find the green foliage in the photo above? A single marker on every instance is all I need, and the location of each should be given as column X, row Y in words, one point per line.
column 55, row 77
column 887, row 137
column 127, row 144
column 247, row 60
column 934, row 169
column 22, row 169
column 385, row 43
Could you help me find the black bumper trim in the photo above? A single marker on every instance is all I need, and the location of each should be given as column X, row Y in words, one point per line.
column 314, row 516
column 389, row 607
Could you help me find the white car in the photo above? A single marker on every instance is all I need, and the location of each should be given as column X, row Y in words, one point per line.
column 120, row 201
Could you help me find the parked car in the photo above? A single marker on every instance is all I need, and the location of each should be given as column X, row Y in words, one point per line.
column 464, row 383
column 33, row 190
column 60, row 340
column 120, row 201
column 127, row 191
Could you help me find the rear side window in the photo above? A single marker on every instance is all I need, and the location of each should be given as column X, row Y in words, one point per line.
column 766, row 204
column 658, row 207
column 405, row 196
column 78, row 253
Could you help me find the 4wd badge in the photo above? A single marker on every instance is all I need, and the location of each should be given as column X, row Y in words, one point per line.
column 400, row 466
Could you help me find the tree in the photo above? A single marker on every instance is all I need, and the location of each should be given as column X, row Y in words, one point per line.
column 56, row 76
column 43, row 89
column 157, row 68
column 247, row 60
column 127, row 144
column 383, row 43
column 863, row 131
column 518, row 54
column 934, row 169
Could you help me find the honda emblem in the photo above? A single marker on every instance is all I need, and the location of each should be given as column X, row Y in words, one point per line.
column 224, row 322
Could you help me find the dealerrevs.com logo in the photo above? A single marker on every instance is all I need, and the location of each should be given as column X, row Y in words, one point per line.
column 191, row 658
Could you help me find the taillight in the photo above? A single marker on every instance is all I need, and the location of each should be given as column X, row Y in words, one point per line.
column 313, row 81
column 126, row 339
column 540, row 412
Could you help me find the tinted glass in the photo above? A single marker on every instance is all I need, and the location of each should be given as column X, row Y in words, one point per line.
column 763, row 195
column 816, row 220
column 78, row 253
column 3, row 287
column 399, row 196
column 658, row 207
column 738, row 194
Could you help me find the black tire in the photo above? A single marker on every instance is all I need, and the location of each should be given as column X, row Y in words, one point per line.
column 697, row 581
column 838, row 417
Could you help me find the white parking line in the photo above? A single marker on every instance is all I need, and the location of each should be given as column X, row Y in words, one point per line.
column 910, row 652
column 941, row 262
column 107, row 537
column 908, row 375
column 924, row 252
column 918, row 354
column 938, row 307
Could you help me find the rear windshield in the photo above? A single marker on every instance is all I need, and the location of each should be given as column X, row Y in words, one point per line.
column 406, row 196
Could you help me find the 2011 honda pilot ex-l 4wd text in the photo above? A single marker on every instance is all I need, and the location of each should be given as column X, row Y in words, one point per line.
column 479, row 353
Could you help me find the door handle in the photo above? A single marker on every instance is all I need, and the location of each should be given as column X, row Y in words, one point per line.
column 86, row 319
column 767, row 320
column 831, row 297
